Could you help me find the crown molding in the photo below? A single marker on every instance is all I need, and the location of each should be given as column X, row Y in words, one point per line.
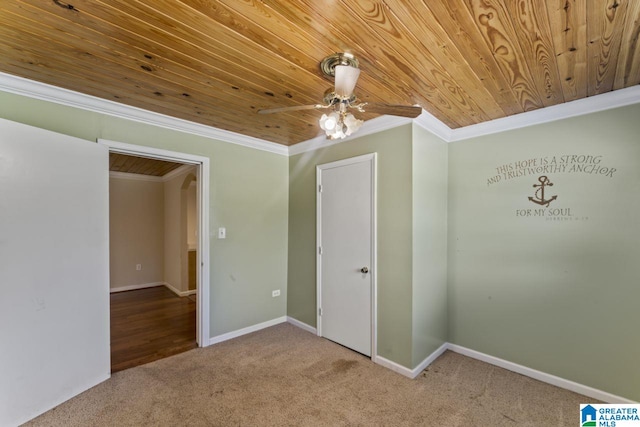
column 592, row 104
column 45, row 92
column 428, row 122
column 369, row 127
column 579, row 107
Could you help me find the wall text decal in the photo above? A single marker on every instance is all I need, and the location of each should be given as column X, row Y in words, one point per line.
column 547, row 165
column 547, row 193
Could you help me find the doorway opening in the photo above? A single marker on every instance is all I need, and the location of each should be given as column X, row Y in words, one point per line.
column 159, row 263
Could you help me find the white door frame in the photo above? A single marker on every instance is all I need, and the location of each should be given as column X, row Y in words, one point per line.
column 373, row 159
column 203, row 319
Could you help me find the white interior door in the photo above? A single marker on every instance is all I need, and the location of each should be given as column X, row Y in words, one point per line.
column 54, row 269
column 346, row 252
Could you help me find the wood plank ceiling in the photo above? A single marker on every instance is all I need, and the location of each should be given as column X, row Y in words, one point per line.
column 217, row 62
column 140, row 165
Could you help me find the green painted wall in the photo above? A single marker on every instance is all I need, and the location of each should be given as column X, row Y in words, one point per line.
column 429, row 301
column 553, row 288
column 553, row 292
column 249, row 196
column 394, row 235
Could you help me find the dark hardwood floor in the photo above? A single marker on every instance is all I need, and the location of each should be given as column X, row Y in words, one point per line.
column 150, row 324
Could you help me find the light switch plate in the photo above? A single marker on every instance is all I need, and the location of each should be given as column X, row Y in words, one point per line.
column 222, row 233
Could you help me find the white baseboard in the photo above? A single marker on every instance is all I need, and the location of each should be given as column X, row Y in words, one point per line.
column 302, row 325
column 510, row 366
column 177, row 292
column 393, row 366
column 541, row 376
column 247, row 330
column 411, row 373
column 153, row 285
column 135, row 287
column 429, row 360
column 171, row 288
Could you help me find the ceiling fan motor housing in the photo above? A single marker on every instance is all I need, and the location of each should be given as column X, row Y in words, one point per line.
column 328, row 64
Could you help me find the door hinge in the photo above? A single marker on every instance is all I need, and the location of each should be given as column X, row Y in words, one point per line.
column 319, row 250
column 320, row 311
column 320, row 188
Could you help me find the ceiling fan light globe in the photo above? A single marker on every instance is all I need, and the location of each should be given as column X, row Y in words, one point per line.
column 337, row 134
column 352, row 124
column 346, row 78
column 328, row 122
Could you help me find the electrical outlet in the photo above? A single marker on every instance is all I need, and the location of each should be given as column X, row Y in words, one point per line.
column 138, row 267
column 275, row 293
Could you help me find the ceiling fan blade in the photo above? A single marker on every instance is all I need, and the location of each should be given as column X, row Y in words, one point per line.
column 294, row 108
column 393, row 110
column 346, row 78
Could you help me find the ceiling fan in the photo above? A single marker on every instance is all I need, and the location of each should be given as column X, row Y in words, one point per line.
column 339, row 122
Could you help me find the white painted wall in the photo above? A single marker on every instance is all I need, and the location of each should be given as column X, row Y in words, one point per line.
column 54, row 269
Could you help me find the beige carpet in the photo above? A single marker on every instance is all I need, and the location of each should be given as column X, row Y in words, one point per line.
column 284, row 376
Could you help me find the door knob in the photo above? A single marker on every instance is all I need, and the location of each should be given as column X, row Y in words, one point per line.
column 364, row 270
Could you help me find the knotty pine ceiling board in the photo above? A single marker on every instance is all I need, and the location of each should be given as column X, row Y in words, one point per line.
column 140, row 165
column 218, row 62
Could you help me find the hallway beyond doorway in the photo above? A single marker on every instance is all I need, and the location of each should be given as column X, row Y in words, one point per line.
column 150, row 324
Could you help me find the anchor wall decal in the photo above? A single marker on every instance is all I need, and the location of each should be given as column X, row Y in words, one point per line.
column 539, row 195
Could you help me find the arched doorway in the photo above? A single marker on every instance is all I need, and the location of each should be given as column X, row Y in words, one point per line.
column 189, row 233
